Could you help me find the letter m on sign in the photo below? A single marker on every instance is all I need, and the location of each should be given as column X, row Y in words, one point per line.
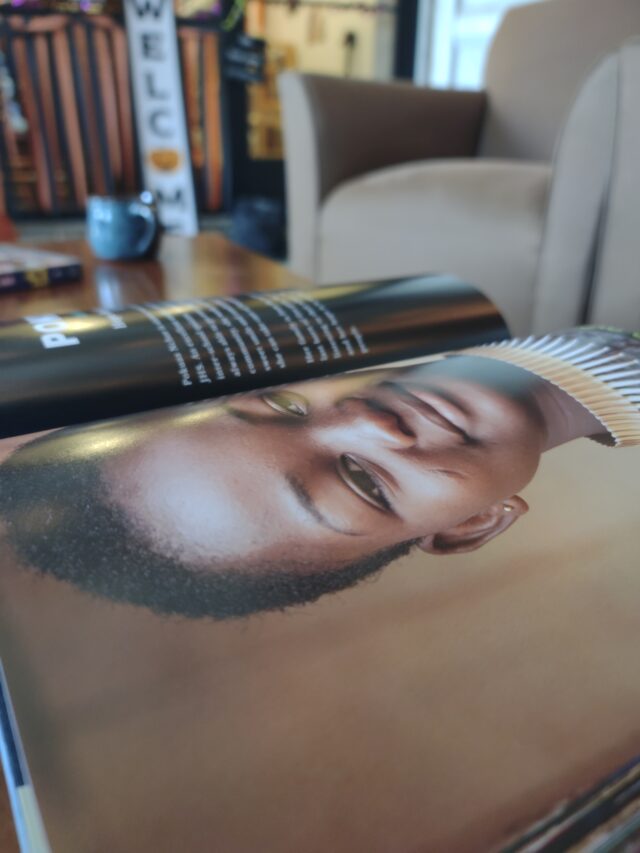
column 144, row 8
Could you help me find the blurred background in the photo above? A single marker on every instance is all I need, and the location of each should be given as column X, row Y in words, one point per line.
column 66, row 113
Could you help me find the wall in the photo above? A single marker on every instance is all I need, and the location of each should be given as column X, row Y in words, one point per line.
column 318, row 34
column 453, row 39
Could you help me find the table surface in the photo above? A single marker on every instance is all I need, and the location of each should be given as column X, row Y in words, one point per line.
column 207, row 265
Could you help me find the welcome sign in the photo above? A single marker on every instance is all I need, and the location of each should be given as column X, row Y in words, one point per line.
column 160, row 114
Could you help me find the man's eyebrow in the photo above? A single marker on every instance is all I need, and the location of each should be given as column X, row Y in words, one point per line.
column 304, row 498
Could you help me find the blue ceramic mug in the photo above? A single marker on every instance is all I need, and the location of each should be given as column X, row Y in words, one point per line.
column 123, row 228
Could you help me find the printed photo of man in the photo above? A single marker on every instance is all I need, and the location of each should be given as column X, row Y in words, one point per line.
column 276, row 498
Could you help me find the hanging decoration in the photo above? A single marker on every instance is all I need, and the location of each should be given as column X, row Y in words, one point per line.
column 316, row 27
column 11, row 109
column 198, row 8
column 107, row 7
column 338, row 5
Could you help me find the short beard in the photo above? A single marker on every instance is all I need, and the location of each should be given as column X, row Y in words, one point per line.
column 58, row 522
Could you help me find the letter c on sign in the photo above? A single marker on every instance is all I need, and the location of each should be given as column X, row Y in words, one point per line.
column 156, row 119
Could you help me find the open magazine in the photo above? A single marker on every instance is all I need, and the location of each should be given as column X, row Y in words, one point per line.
column 389, row 609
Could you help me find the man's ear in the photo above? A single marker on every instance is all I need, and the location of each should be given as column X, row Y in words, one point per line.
column 477, row 530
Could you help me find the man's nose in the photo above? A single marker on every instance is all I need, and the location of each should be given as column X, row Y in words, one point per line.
column 364, row 421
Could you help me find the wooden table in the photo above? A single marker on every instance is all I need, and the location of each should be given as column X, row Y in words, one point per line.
column 208, row 265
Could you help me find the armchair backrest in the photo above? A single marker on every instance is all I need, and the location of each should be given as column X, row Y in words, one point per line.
column 539, row 57
column 615, row 293
column 590, row 256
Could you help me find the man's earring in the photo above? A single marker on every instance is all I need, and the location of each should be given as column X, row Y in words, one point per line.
column 507, row 507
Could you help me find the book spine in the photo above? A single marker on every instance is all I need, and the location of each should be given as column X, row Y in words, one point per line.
column 24, row 806
column 37, row 278
column 61, row 370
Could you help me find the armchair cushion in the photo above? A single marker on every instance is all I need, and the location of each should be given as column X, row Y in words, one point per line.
column 337, row 129
column 479, row 219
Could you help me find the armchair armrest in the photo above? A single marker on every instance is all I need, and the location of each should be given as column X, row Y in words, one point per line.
column 336, row 129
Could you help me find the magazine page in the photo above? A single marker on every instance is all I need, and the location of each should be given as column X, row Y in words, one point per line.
column 390, row 610
column 58, row 370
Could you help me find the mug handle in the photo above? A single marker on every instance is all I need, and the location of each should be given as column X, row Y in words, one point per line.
column 145, row 212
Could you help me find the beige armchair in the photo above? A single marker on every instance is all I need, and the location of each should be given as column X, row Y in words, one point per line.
column 387, row 180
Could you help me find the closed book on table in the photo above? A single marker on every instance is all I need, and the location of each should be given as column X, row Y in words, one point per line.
column 23, row 268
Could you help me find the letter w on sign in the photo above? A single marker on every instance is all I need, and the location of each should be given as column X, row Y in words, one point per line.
column 143, row 8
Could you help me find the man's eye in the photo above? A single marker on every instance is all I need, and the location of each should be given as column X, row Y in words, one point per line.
column 362, row 482
column 287, row 403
